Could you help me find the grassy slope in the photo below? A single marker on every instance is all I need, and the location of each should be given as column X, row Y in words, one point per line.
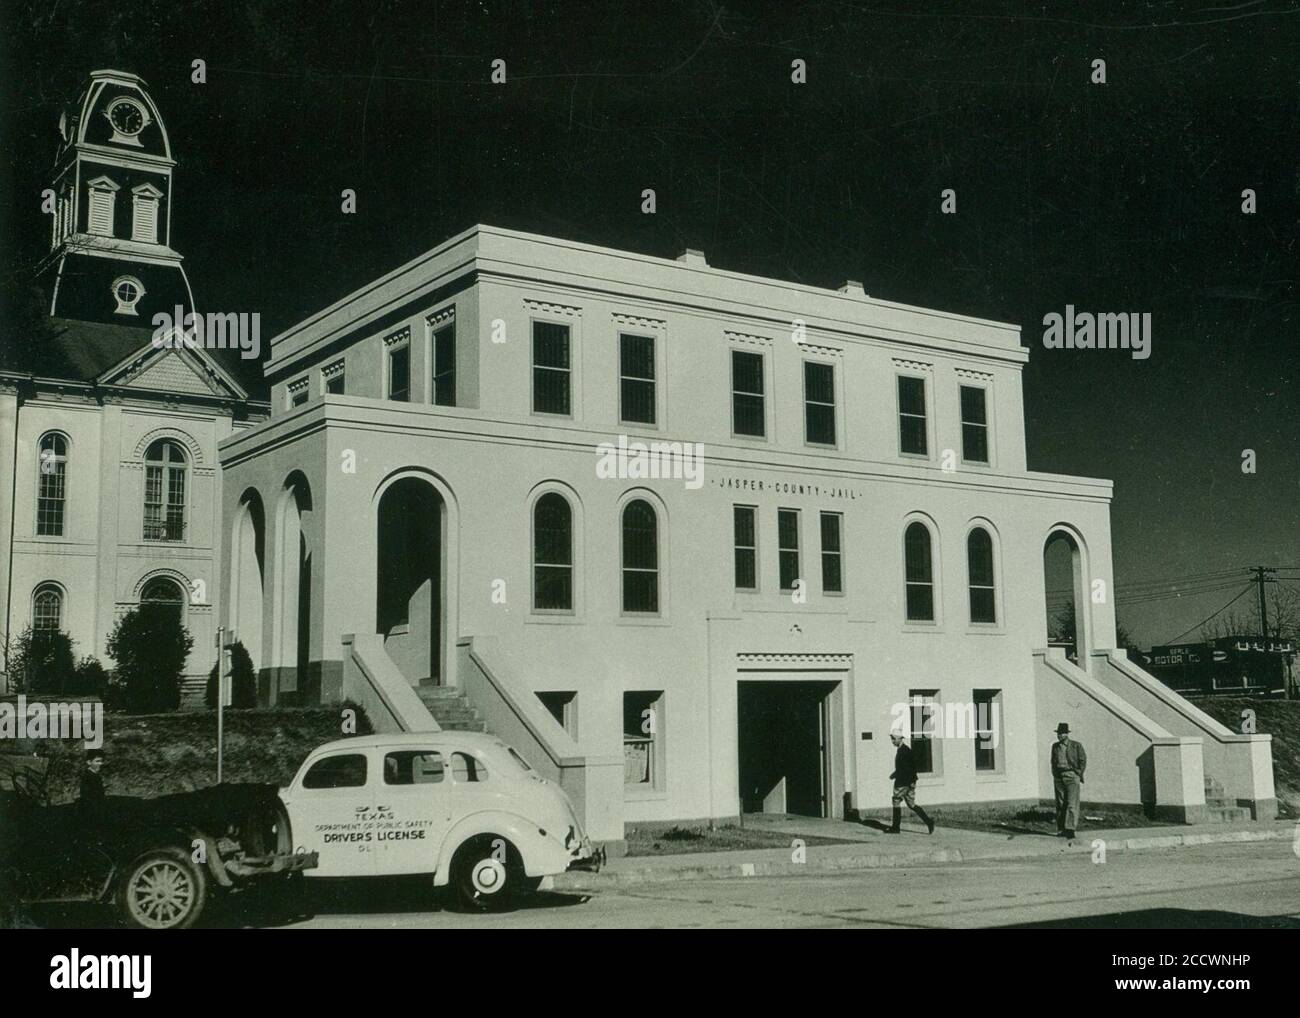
column 157, row 754
column 1278, row 718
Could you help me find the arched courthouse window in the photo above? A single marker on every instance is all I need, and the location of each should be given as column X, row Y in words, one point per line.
column 640, row 558
column 552, row 554
column 51, row 484
column 979, row 570
column 919, row 567
column 164, row 491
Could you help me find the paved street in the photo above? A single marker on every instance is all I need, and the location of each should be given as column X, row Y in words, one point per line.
column 1215, row 886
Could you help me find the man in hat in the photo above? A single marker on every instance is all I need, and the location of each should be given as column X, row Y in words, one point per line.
column 90, row 798
column 1068, row 764
column 905, row 784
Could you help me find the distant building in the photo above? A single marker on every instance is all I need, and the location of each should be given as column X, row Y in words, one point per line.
column 110, row 442
column 1253, row 665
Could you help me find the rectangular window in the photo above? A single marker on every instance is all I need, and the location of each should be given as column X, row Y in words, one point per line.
column 636, row 379
column 164, row 503
column 988, row 729
column 563, row 706
column 974, row 425
column 413, row 767
column 144, row 220
column 748, row 413
column 925, row 718
column 444, row 365
column 746, row 543
column 335, row 379
column 911, row 415
column 642, row 740
column 298, row 393
column 832, row 553
column 551, row 368
column 819, row 403
column 787, row 538
column 101, row 211
column 399, row 373
column 50, row 497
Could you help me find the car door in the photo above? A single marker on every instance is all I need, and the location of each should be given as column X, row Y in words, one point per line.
column 333, row 809
column 414, row 790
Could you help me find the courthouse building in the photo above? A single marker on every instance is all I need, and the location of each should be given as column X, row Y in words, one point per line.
column 432, row 523
column 108, row 444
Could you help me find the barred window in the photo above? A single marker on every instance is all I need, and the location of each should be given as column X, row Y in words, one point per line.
column 444, row 365
column 637, row 379
column 640, row 558
column 819, row 403
column 552, row 554
column 919, row 570
column 832, row 553
column 47, row 609
column 748, row 414
column 911, row 415
column 51, row 486
column 399, row 373
column 979, row 565
column 164, row 491
column 974, row 425
column 551, row 368
column 746, row 545
column 787, row 539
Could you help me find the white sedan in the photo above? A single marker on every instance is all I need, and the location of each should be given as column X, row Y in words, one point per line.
column 462, row 806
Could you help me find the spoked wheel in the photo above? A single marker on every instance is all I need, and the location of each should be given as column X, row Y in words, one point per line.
column 163, row 890
column 485, row 874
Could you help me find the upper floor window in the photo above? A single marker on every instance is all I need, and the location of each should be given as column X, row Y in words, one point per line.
column 911, row 415
column 979, row 566
column 444, row 365
column 744, row 519
column 974, row 424
column 333, row 378
column 787, row 540
column 832, row 525
column 748, row 410
column 102, row 198
column 51, row 484
column 399, row 366
column 551, row 368
column 144, row 213
column 164, row 491
column 636, row 371
column 552, row 554
column 640, row 558
column 127, row 291
column 298, row 393
column 47, row 609
column 819, row 403
column 919, row 569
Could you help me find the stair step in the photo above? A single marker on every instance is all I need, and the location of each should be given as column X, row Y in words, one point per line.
column 1227, row 815
column 1220, row 802
column 439, row 692
column 461, row 726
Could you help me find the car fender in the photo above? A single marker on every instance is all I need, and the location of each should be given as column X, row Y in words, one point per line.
column 186, row 839
column 519, row 831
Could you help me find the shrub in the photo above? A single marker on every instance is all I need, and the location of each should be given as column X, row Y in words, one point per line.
column 41, row 663
column 243, row 680
column 149, row 645
column 90, row 679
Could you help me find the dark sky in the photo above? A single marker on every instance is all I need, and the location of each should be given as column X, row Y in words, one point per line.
column 1117, row 197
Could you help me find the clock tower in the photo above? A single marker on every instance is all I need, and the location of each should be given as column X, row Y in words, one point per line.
column 111, row 259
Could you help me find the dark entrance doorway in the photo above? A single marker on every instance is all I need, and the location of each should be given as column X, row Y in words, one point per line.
column 409, row 591
column 784, row 753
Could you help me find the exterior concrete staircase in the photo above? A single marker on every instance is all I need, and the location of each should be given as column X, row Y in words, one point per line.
column 451, row 708
column 1219, row 809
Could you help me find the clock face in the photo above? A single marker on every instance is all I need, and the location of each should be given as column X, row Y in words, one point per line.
column 126, row 117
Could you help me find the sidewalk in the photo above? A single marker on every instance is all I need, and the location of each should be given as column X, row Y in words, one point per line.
column 872, row 849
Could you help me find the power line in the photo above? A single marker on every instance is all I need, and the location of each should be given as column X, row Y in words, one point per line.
column 1244, row 591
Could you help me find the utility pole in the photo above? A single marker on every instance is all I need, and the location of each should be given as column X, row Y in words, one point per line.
column 1263, row 575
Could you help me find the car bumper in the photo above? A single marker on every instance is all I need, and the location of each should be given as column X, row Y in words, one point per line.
column 587, row 859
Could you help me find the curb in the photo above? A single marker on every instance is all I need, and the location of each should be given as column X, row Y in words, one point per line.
column 628, row 876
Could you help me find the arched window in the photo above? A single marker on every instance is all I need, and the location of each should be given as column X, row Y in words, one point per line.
column 552, row 554
column 919, row 568
column 640, row 558
column 979, row 572
column 51, row 484
column 163, row 594
column 47, row 609
column 164, row 491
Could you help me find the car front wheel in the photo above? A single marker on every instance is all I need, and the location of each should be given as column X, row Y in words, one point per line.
column 162, row 889
column 485, row 874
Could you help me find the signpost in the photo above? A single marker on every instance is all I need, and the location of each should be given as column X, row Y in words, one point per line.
column 223, row 697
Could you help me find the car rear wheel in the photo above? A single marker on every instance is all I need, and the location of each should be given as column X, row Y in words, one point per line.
column 485, row 874
column 162, row 889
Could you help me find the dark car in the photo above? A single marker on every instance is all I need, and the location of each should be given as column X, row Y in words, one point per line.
column 157, row 860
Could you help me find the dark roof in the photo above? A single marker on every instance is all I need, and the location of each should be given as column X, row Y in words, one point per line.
column 82, row 351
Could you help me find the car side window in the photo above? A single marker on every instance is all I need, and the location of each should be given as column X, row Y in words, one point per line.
column 466, row 768
column 413, row 767
column 346, row 770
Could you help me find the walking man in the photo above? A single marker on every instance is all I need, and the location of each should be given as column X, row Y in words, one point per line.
column 905, row 784
column 1068, row 764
